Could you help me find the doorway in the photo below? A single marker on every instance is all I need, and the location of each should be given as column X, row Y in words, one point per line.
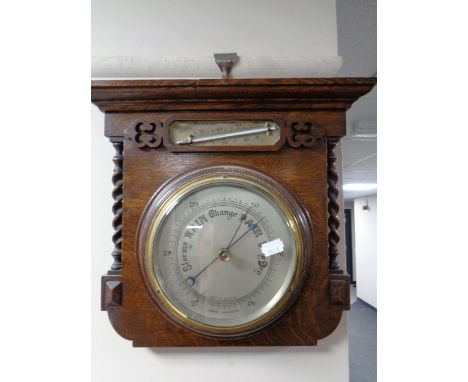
column 349, row 243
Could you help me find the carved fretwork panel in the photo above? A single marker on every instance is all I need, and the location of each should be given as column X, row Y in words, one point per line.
column 304, row 133
column 297, row 134
column 147, row 135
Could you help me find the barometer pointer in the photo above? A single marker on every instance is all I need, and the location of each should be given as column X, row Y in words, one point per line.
column 243, row 217
column 191, row 279
column 252, row 227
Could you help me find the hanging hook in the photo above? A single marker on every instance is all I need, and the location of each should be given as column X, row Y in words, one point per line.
column 225, row 62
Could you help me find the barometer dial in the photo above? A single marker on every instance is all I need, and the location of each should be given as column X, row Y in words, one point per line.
column 224, row 252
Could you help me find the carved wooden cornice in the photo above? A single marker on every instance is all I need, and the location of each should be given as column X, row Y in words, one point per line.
column 230, row 94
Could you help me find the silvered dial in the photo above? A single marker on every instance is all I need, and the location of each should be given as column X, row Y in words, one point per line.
column 224, row 254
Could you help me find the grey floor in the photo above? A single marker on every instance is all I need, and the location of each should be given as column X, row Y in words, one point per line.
column 362, row 321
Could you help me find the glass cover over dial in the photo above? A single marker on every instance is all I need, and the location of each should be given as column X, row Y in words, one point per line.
column 223, row 253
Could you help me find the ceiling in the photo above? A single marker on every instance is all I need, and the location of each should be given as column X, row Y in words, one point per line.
column 357, row 45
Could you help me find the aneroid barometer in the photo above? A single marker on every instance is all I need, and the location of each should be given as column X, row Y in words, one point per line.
column 224, row 249
column 226, row 210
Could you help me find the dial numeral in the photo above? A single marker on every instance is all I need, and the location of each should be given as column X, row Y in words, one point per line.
column 251, row 302
column 193, row 302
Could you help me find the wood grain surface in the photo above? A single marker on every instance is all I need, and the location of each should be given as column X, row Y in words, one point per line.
column 311, row 115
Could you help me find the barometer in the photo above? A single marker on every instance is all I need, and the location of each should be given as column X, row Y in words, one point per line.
column 224, row 249
column 226, row 210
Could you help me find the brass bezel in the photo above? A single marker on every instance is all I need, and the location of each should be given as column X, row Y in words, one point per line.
column 171, row 194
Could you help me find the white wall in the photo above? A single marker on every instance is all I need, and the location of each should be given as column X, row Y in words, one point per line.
column 156, row 38
column 365, row 226
column 177, row 38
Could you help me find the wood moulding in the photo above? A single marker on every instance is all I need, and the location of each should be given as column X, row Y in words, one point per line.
column 230, row 94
